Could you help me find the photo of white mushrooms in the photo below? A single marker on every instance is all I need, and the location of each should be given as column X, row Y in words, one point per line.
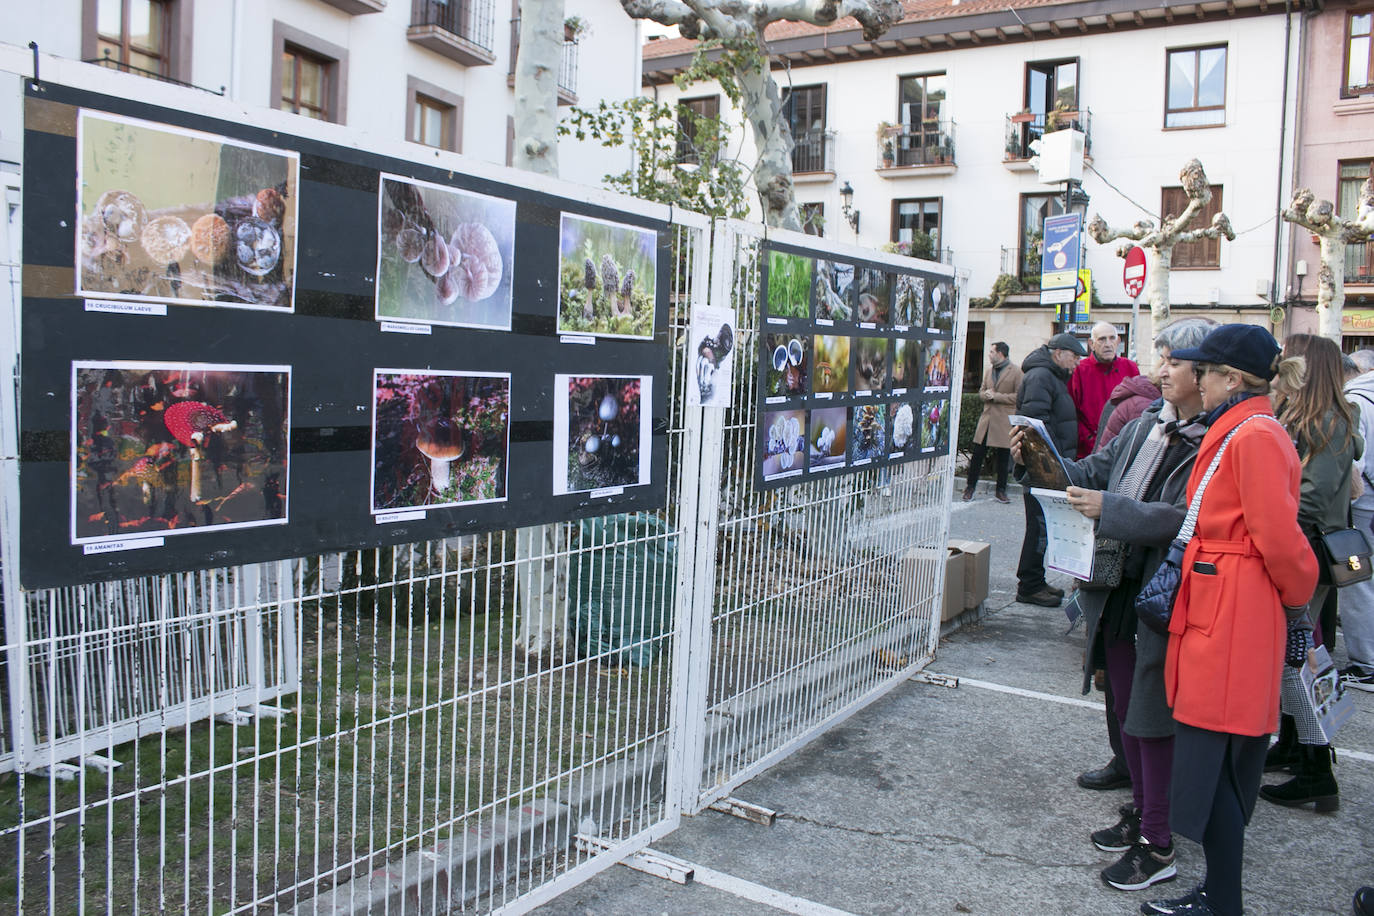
column 438, row 438
column 606, row 279
column 601, row 432
column 179, row 216
column 171, row 448
column 445, row 256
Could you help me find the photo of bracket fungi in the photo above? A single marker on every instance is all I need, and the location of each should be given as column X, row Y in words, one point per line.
column 173, row 448
column 179, row 216
column 446, row 256
column 438, row 438
column 607, row 278
column 601, row 432
column 868, row 433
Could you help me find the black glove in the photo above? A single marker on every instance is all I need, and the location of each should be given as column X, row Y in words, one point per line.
column 1299, row 641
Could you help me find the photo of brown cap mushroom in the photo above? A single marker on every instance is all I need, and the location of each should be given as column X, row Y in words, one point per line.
column 438, row 438
column 445, row 256
column 607, row 277
column 172, row 448
column 181, row 216
column 601, row 432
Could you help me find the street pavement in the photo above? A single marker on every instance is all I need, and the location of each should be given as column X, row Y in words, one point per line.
column 935, row 800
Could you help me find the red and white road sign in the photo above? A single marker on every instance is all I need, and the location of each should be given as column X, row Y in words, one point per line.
column 1133, row 274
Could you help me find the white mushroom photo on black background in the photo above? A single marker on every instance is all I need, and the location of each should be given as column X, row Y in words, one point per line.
column 184, row 217
column 601, row 432
column 445, row 256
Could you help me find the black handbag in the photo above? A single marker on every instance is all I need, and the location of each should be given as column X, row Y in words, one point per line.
column 1109, row 558
column 1155, row 603
column 1343, row 556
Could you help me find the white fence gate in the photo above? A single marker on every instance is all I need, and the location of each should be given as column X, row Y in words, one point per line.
column 361, row 732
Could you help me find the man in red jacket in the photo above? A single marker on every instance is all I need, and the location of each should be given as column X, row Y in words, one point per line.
column 1093, row 381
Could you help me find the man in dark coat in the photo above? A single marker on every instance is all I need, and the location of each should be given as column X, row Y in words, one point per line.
column 1044, row 395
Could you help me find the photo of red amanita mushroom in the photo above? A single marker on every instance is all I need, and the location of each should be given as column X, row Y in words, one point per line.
column 174, row 447
column 220, row 231
column 444, row 255
column 439, row 439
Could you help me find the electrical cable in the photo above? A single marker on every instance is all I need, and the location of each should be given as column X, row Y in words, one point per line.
column 1147, row 212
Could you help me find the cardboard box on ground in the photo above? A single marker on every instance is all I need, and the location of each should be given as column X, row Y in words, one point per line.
column 967, row 565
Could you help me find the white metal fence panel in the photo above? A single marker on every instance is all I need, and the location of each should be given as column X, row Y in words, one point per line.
column 354, row 732
column 825, row 594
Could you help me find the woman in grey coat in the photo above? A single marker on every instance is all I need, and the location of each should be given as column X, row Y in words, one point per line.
column 1135, row 488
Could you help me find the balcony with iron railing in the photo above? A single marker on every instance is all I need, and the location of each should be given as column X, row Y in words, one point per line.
column 1024, row 264
column 813, row 156
column 1026, row 127
column 461, row 30
column 567, row 68
column 1359, row 264
column 113, row 63
column 925, row 148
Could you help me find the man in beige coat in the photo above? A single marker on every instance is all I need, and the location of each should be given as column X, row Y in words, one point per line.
column 998, row 392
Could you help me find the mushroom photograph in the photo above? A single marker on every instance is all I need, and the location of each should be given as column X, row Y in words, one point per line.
column 903, row 425
column 171, row 448
column 902, row 374
column 834, row 291
column 828, row 438
column 937, row 370
column 185, row 217
column 934, row 425
column 868, row 436
column 784, row 449
column 830, row 367
column 871, row 364
column 788, row 279
column 438, row 438
column 444, row 256
column 940, row 307
column 909, row 295
column 875, row 296
column 789, row 365
column 601, row 432
column 607, row 277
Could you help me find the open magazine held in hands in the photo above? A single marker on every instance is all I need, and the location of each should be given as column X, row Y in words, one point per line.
column 1044, row 464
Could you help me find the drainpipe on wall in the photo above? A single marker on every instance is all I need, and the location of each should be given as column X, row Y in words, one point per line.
column 1279, row 188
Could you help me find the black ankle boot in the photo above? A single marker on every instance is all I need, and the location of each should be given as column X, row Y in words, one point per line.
column 1314, row 781
column 1283, row 754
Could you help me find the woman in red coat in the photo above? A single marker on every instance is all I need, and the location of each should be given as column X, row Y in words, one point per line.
column 1246, row 573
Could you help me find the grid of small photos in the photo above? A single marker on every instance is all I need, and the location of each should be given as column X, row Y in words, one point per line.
column 855, row 365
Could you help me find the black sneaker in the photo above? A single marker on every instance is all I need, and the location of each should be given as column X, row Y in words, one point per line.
column 1121, row 836
column 1044, row 597
column 1142, row 865
column 1193, row 903
column 1356, row 678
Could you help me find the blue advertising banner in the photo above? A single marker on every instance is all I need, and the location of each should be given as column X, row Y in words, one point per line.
column 1061, row 253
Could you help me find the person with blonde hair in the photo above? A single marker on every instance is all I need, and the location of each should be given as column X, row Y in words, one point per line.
column 1242, row 582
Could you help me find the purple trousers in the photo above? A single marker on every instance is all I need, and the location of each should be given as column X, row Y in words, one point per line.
column 1150, row 760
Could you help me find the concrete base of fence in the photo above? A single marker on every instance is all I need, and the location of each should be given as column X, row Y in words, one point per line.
column 968, row 618
column 437, row 877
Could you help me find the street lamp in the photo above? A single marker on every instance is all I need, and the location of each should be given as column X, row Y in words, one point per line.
column 851, row 215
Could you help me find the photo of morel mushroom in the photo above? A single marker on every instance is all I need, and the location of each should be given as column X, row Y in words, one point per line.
column 601, row 432
column 180, row 216
column 444, row 256
column 173, row 448
column 438, row 438
column 607, row 278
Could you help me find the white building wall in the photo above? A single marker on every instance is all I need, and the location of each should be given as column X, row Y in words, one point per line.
column 1121, row 80
column 232, row 48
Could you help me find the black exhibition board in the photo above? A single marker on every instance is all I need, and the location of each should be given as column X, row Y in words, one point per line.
column 210, row 375
column 855, row 364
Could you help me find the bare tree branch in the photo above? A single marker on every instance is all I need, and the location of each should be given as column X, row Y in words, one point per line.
column 1333, row 234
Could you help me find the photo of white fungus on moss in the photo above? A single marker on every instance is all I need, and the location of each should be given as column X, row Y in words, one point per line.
column 606, row 279
column 438, row 438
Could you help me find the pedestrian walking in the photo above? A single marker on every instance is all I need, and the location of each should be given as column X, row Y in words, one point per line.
column 1357, row 600
column 998, row 392
column 1242, row 580
column 1044, row 395
column 1094, row 380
